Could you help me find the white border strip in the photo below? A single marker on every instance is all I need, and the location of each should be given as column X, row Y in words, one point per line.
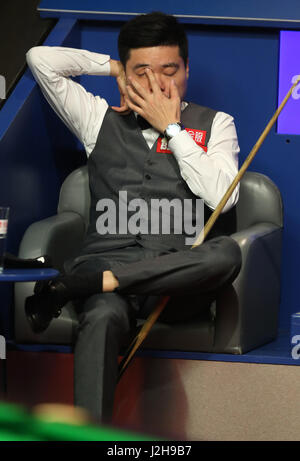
column 177, row 15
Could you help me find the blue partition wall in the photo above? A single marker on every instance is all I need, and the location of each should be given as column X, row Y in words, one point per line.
column 233, row 68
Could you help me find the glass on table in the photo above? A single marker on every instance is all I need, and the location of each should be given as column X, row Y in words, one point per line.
column 4, row 212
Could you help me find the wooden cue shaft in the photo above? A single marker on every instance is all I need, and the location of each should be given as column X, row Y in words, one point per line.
column 243, row 169
column 203, row 234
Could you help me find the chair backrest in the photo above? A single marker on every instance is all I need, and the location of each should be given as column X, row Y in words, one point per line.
column 75, row 194
column 260, row 199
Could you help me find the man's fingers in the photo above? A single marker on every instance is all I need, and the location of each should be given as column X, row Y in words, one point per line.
column 122, row 109
column 173, row 90
column 136, row 87
column 152, row 80
column 174, row 96
column 133, row 106
column 134, row 97
column 121, row 84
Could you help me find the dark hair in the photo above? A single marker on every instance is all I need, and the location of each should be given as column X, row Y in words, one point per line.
column 152, row 29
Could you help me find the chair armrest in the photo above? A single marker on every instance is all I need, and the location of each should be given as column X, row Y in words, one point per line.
column 247, row 311
column 58, row 236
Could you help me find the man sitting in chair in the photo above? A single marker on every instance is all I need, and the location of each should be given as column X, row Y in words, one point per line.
column 156, row 165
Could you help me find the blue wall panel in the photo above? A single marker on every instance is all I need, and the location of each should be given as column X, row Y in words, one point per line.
column 264, row 12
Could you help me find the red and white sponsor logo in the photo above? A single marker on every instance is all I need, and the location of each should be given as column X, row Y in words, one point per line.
column 197, row 135
column 3, row 226
column 162, row 146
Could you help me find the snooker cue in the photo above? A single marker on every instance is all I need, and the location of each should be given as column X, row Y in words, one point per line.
column 203, row 234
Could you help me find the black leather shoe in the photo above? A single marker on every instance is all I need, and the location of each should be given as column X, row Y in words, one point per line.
column 49, row 298
column 13, row 262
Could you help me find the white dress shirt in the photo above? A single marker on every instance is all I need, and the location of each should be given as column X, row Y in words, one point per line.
column 208, row 174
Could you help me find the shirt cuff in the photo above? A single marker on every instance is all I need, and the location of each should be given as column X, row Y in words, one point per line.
column 100, row 64
column 182, row 145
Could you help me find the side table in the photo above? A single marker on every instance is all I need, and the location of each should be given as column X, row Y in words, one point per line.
column 21, row 275
column 27, row 275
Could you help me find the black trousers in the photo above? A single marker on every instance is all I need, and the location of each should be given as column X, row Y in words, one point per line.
column 107, row 319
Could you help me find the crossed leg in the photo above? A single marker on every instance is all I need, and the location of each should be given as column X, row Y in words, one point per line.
column 106, row 319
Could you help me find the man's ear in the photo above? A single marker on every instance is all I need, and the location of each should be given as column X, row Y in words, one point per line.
column 187, row 68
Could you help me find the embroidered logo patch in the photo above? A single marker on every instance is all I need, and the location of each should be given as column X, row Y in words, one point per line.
column 198, row 136
column 162, row 146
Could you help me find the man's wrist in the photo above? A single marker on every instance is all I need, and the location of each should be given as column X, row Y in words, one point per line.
column 173, row 129
column 116, row 68
column 169, row 122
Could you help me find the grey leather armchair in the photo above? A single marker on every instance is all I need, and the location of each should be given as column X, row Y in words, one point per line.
column 244, row 316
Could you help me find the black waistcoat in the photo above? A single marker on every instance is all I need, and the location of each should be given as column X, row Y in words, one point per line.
column 122, row 161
